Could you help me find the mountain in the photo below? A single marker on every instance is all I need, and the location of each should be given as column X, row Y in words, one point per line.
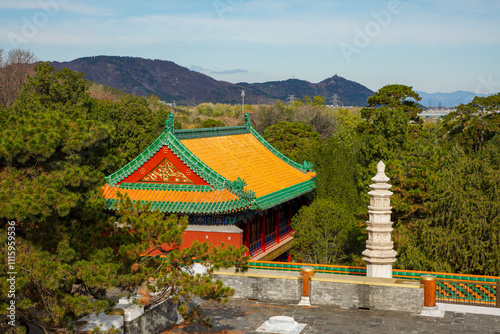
column 171, row 82
column 447, row 99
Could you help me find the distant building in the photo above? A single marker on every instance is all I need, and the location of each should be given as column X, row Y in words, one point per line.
column 433, row 114
column 231, row 183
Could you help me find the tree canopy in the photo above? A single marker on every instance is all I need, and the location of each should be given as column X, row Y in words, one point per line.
column 56, row 145
column 397, row 96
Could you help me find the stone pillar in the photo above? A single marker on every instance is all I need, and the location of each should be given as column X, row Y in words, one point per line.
column 379, row 254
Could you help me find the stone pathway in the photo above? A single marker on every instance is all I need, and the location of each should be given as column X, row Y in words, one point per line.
column 241, row 316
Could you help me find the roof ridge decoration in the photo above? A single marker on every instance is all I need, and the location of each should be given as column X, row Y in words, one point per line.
column 165, row 171
column 169, row 123
column 211, row 132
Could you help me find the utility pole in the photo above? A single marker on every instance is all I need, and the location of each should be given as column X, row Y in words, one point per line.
column 335, row 100
column 243, row 101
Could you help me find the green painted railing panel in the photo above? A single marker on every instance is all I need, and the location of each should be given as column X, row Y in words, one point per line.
column 462, row 289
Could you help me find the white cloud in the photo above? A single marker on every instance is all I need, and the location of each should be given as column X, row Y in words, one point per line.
column 463, row 6
column 414, row 26
column 56, row 6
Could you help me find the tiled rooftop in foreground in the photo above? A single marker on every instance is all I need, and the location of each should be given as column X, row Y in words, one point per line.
column 242, row 316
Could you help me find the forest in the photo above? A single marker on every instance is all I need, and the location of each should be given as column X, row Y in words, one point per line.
column 61, row 134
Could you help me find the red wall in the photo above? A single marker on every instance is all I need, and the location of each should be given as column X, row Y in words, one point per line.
column 215, row 238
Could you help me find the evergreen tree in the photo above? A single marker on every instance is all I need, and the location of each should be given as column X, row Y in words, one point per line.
column 472, row 125
column 293, row 139
column 54, row 154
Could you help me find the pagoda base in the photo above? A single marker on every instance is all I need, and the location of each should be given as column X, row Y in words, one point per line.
column 379, row 270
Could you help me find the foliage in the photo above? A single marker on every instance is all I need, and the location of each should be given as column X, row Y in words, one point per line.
column 461, row 232
column 335, row 161
column 323, row 120
column 211, row 123
column 293, row 139
column 472, row 125
column 412, row 173
column 53, row 159
column 385, row 133
column 135, row 124
column 172, row 271
column 270, row 115
column 327, row 230
column 397, row 96
column 325, row 233
column 13, row 71
column 219, row 110
column 56, row 146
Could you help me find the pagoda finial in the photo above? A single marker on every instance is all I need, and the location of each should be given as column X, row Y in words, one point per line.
column 380, row 177
column 247, row 119
column 169, row 123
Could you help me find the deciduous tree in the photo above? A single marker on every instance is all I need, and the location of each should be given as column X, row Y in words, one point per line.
column 13, row 71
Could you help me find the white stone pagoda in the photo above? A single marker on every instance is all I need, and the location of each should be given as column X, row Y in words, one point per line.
column 379, row 254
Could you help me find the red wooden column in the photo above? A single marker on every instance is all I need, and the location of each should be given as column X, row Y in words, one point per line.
column 290, row 206
column 263, row 231
column 247, row 233
column 429, row 283
column 277, row 224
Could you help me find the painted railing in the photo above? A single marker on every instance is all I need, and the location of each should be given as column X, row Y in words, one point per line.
column 468, row 293
column 255, row 248
column 270, row 239
column 318, row 268
column 284, row 232
column 450, row 288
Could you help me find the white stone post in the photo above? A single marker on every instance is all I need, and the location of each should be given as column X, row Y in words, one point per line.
column 379, row 254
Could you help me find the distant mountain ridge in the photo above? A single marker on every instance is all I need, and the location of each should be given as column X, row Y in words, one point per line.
column 172, row 82
column 452, row 99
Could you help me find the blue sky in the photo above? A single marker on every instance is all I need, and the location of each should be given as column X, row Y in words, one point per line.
column 432, row 45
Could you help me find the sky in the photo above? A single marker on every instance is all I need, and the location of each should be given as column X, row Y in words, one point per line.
column 431, row 45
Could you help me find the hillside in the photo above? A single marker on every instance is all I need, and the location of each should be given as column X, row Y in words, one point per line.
column 172, row 82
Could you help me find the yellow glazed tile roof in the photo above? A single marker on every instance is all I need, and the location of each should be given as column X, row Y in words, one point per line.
column 245, row 157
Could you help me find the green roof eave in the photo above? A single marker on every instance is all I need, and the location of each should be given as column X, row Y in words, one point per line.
column 284, row 195
column 163, row 186
column 189, row 207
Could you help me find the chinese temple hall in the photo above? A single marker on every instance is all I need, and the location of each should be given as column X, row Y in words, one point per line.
column 231, row 183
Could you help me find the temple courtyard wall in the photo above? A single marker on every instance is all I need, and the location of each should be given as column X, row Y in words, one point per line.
column 341, row 291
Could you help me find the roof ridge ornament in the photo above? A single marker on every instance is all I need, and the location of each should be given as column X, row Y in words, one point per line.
column 169, row 123
column 238, row 184
column 308, row 166
column 237, row 187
